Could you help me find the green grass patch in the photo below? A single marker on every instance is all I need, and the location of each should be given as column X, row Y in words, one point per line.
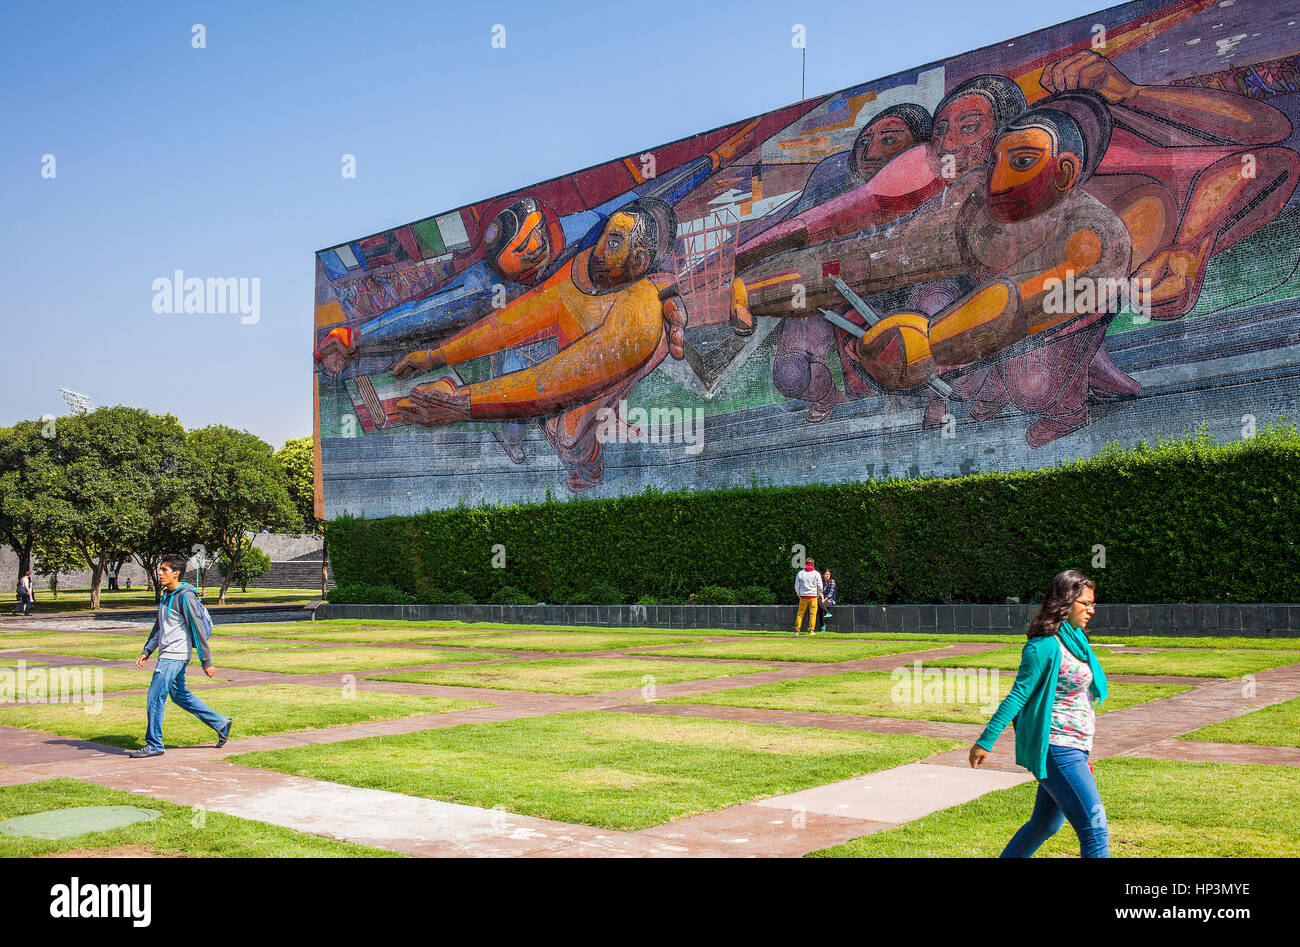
column 1275, row 725
column 78, row 600
column 568, row 641
column 111, row 680
column 361, row 634
column 1191, row 662
column 823, row 649
column 130, row 649
column 52, row 641
column 173, row 833
column 327, row 660
column 617, row 771
column 881, row 694
column 1156, row 809
column 257, row 711
column 1173, row 641
column 574, row 675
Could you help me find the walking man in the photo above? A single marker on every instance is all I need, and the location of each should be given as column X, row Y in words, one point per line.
column 182, row 624
column 808, row 586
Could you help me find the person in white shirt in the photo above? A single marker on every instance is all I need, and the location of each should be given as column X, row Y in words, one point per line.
column 808, row 586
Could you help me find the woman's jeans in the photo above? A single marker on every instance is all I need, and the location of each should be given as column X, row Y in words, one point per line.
column 169, row 678
column 1068, row 792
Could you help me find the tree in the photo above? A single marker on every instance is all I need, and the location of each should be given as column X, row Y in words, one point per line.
column 238, row 488
column 26, row 475
column 297, row 459
column 253, row 564
column 55, row 554
column 113, row 463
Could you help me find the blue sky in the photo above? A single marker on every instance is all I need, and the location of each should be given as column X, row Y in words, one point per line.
column 224, row 161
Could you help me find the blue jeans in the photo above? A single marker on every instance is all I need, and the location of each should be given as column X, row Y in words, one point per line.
column 169, row 678
column 1068, row 792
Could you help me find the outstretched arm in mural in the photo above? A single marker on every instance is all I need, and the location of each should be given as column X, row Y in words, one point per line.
column 604, row 301
column 1028, row 234
column 1215, row 147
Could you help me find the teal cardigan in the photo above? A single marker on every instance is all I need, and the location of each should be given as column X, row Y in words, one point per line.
column 1028, row 706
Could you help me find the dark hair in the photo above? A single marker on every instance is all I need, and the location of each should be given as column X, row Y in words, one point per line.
column 176, row 562
column 915, row 117
column 655, row 228
column 1063, row 129
column 1003, row 95
column 1092, row 116
column 1065, row 587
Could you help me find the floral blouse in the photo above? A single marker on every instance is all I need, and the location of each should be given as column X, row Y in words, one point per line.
column 1073, row 717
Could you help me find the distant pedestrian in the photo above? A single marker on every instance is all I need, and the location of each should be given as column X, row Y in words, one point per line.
column 808, row 586
column 182, row 625
column 26, row 594
column 112, row 580
column 128, row 583
column 827, row 598
column 1051, row 704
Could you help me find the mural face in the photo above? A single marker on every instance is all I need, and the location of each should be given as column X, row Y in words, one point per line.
column 997, row 262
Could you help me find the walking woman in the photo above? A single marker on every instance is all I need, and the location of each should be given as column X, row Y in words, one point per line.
column 26, row 595
column 1051, row 706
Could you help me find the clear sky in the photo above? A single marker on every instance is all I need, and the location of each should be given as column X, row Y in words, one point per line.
column 225, row 161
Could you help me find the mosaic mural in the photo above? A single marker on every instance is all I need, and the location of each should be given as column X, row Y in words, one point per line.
column 998, row 261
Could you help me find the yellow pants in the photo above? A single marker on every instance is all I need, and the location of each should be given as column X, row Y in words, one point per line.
column 808, row 605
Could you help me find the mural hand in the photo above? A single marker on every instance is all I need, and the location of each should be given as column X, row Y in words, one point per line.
column 1088, row 70
column 435, row 403
column 737, row 144
column 337, row 349
column 675, row 319
column 417, row 363
column 1170, row 280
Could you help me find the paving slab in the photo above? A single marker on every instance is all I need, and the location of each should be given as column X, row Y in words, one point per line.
column 899, row 794
column 1201, row 751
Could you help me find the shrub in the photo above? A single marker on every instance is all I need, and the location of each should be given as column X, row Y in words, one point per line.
column 369, row 595
column 430, row 597
column 716, row 595
column 509, row 595
column 757, row 595
column 595, row 593
column 459, row 597
column 1172, row 517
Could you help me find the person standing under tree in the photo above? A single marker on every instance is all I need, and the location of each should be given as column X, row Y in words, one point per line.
column 26, row 595
column 1051, row 704
column 182, row 624
column 808, row 586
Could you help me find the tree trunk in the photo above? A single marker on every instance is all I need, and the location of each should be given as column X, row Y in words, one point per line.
column 54, row 585
column 225, row 584
column 324, row 568
column 96, row 577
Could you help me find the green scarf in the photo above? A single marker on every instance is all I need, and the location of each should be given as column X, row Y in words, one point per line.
column 1077, row 643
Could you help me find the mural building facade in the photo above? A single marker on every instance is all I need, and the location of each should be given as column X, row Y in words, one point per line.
column 998, row 261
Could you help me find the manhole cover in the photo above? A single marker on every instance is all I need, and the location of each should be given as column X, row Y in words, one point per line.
column 66, row 823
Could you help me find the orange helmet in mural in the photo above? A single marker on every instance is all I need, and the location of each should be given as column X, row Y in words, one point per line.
column 522, row 240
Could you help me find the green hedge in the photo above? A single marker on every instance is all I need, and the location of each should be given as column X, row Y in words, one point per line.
column 1183, row 520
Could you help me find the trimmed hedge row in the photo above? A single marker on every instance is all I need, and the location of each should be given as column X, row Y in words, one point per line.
column 1183, row 520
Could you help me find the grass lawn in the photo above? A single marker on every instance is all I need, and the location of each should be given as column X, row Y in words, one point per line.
column 1275, row 725
column 871, row 694
column 173, row 833
column 257, row 711
column 1188, row 662
column 113, row 679
column 567, row 641
column 824, row 649
column 361, row 634
column 327, row 660
column 129, row 649
column 574, row 675
column 78, row 600
column 55, row 639
column 1156, row 809
column 1173, row 641
column 13, row 662
column 617, row 771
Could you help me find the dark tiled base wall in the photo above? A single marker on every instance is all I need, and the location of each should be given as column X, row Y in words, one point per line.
column 1256, row 620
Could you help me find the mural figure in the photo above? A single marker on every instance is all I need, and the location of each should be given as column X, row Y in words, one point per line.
column 615, row 319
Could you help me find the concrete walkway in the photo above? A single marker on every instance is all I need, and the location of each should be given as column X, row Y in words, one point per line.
column 786, row 825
